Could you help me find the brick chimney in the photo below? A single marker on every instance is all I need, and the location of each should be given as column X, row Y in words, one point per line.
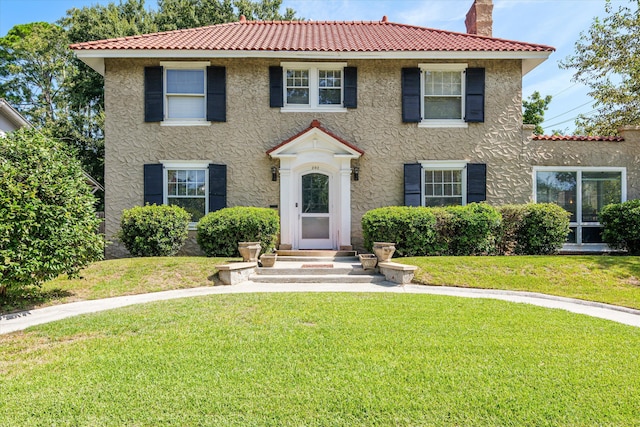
column 480, row 18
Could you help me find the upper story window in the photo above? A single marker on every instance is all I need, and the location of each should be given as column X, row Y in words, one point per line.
column 443, row 88
column 313, row 86
column 443, row 95
column 185, row 91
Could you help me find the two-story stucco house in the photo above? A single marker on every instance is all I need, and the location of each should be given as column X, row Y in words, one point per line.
column 324, row 121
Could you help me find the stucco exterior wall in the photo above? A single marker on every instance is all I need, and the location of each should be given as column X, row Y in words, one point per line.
column 376, row 127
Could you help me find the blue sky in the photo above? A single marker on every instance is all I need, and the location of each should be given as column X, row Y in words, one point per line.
column 557, row 23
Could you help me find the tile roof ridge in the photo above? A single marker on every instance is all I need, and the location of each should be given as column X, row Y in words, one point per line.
column 615, row 138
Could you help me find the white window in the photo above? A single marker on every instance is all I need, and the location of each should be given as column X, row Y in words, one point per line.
column 443, row 88
column 445, row 183
column 186, row 185
column 582, row 192
column 185, row 90
column 313, row 86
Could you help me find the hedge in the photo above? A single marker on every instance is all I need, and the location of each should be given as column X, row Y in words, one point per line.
column 622, row 226
column 219, row 232
column 533, row 229
column 154, row 230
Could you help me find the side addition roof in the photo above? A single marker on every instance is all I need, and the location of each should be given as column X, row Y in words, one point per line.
column 312, row 40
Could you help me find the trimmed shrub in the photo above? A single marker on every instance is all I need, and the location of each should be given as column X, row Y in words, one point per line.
column 48, row 224
column 154, row 230
column 512, row 216
column 219, row 232
column 534, row 228
column 471, row 229
column 622, row 225
column 412, row 229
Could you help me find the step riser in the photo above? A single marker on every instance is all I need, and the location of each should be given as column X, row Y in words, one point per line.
column 275, row 271
column 316, row 279
column 318, row 254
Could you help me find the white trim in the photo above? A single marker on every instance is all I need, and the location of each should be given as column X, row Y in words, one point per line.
column 458, row 66
column 185, row 165
column 444, row 165
column 313, row 69
column 443, row 123
column 95, row 57
column 180, row 122
column 185, row 64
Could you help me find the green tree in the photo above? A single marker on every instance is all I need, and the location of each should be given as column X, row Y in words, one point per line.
column 48, row 224
column 607, row 60
column 534, row 109
column 35, row 64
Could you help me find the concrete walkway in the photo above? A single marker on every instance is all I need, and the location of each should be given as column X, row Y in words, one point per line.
column 22, row 320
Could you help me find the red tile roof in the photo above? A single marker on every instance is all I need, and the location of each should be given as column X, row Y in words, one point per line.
column 577, row 138
column 313, row 36
column 315, row 124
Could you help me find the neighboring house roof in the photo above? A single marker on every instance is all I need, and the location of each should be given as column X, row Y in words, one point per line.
column 577, row 138
column 312, row 39
column 12, row 116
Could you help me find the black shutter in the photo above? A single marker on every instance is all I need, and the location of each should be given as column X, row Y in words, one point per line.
column 216, row 94
column 153, row 184
column 474, row 101
column 476, row 182
column 411, row 95
column 276, row 98
column 217, row 187
column 351, row 87
column 153, row 94
column 413, row 184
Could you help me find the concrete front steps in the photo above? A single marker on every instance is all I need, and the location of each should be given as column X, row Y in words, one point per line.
column 316, row 267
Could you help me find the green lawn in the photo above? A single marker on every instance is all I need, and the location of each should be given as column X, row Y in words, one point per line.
column 323, row 360
column 117, row 277
column 607, row 279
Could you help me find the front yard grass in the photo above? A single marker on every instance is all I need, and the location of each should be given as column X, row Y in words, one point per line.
column 323, row 360
column 607, row 279
column 111, row 278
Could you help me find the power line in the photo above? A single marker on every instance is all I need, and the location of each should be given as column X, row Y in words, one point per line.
column 571, row 119
column 573, row 109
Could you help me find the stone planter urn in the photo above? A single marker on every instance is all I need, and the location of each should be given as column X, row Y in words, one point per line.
column 268, row 259
column 384, row 250
column 249, row 251
column 368, row 261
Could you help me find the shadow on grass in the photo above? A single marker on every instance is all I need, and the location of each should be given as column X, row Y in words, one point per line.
column 626, row 264
column 27, row 299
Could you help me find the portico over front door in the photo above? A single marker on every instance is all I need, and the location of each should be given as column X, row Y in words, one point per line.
column 315, row 189
column 315, row 213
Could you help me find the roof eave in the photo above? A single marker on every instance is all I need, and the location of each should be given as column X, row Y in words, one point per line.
column 95, row 57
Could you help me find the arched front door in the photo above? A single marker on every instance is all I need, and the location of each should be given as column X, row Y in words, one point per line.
column 315, row 227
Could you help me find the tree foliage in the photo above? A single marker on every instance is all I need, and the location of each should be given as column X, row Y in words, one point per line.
column 607, row 60
column 534, row 109
column 48, row 224
column 34, row 65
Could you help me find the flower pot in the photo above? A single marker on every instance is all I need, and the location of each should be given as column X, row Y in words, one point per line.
column 249, row 251
column 384, row 250
column 368, row 261
column 268, row 260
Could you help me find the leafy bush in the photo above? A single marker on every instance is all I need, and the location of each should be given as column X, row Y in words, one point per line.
column 412, row 229
column 154, row 230
column 534, row 228
column 48, row 224
column 219, row 232
column 471, row 229
column 622, row 225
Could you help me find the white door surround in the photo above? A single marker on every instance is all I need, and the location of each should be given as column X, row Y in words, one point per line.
column 315, row 150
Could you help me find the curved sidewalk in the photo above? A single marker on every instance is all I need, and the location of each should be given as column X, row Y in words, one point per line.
column 22, row 320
